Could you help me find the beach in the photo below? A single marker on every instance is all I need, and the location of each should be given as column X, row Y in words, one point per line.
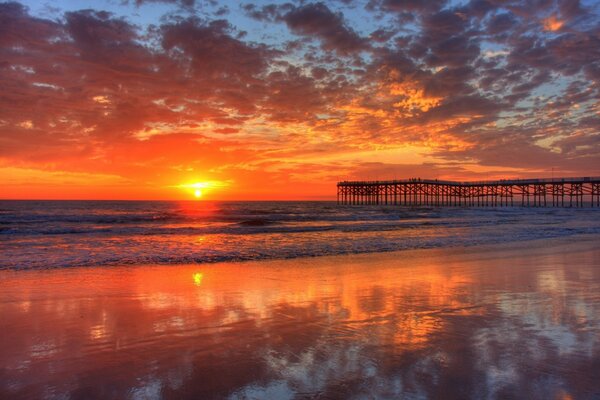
column 290, row 200
column 504, row 320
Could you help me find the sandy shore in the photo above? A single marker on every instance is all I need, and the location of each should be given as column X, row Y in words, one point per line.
column 518, row 320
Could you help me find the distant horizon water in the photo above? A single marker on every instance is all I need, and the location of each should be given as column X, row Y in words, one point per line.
column 55, row 234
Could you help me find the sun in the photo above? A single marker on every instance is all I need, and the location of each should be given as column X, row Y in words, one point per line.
column 202, row 188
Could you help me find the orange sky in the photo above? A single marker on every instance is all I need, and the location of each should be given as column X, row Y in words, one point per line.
column 279, row 101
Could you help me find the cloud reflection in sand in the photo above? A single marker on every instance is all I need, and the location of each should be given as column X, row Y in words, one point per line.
column 444, row 325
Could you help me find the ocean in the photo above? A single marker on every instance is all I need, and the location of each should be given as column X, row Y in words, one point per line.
column 61, row 234
column 130, row 300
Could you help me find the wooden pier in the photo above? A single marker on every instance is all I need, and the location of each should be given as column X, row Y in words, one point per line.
column 555, row 192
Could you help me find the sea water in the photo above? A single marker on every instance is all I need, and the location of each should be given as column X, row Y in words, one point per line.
column 52, row 234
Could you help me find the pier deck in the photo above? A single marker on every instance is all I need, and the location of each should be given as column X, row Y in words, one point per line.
column 550, row 192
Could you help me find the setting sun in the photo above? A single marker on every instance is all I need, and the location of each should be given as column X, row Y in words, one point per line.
column 199, row 189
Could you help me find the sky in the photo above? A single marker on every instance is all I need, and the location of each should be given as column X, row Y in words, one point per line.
column 263, row 100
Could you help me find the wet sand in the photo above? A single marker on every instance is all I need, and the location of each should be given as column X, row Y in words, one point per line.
column 506, row 321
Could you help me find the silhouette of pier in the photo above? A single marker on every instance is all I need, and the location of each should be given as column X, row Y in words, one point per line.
column 555, row 192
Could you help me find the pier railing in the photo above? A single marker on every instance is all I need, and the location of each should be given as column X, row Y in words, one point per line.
column 543, row 192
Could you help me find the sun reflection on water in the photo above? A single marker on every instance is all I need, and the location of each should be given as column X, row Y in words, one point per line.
column 198, row 278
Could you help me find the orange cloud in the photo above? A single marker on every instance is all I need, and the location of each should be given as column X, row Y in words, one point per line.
column 552, row 23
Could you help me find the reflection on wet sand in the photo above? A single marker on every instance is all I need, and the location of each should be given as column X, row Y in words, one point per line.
column 500, row 323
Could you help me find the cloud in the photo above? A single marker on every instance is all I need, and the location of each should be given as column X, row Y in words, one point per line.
column 317, row 20
column 269, row 12
column 501, row 23
column 212, row 52
column 181, row 3
column 90, row 91
column 406, row 5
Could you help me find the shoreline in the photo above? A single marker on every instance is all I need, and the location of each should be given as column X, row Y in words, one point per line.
column 532, row 244
column 60, row 236
column 540, row 247
column 518, row 319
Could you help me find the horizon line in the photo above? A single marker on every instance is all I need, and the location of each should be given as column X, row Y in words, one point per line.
column 188, row 200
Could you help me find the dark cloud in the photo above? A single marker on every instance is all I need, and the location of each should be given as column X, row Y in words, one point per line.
column 381, row 35
column 443, row 24
column 294, row 97
column 101, row 38
column 462, row 106
column 501, row 23
column 450, row 82
column 17, row 28
column 181, row 3
column 478, row 8
column 317, row 20
column 573, row 51
column 406, row 5
column 268, row 13
column 570, row 9
column 455, row 51
column 212, row 52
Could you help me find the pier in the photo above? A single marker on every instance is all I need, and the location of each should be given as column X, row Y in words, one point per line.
column 554, row 192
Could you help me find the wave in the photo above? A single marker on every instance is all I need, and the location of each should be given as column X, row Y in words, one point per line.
column 65, row 234
column 170, row 256
column 256, row 222
column 247, row 226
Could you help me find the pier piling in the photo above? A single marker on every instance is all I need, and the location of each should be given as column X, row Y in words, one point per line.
column 555, row 192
